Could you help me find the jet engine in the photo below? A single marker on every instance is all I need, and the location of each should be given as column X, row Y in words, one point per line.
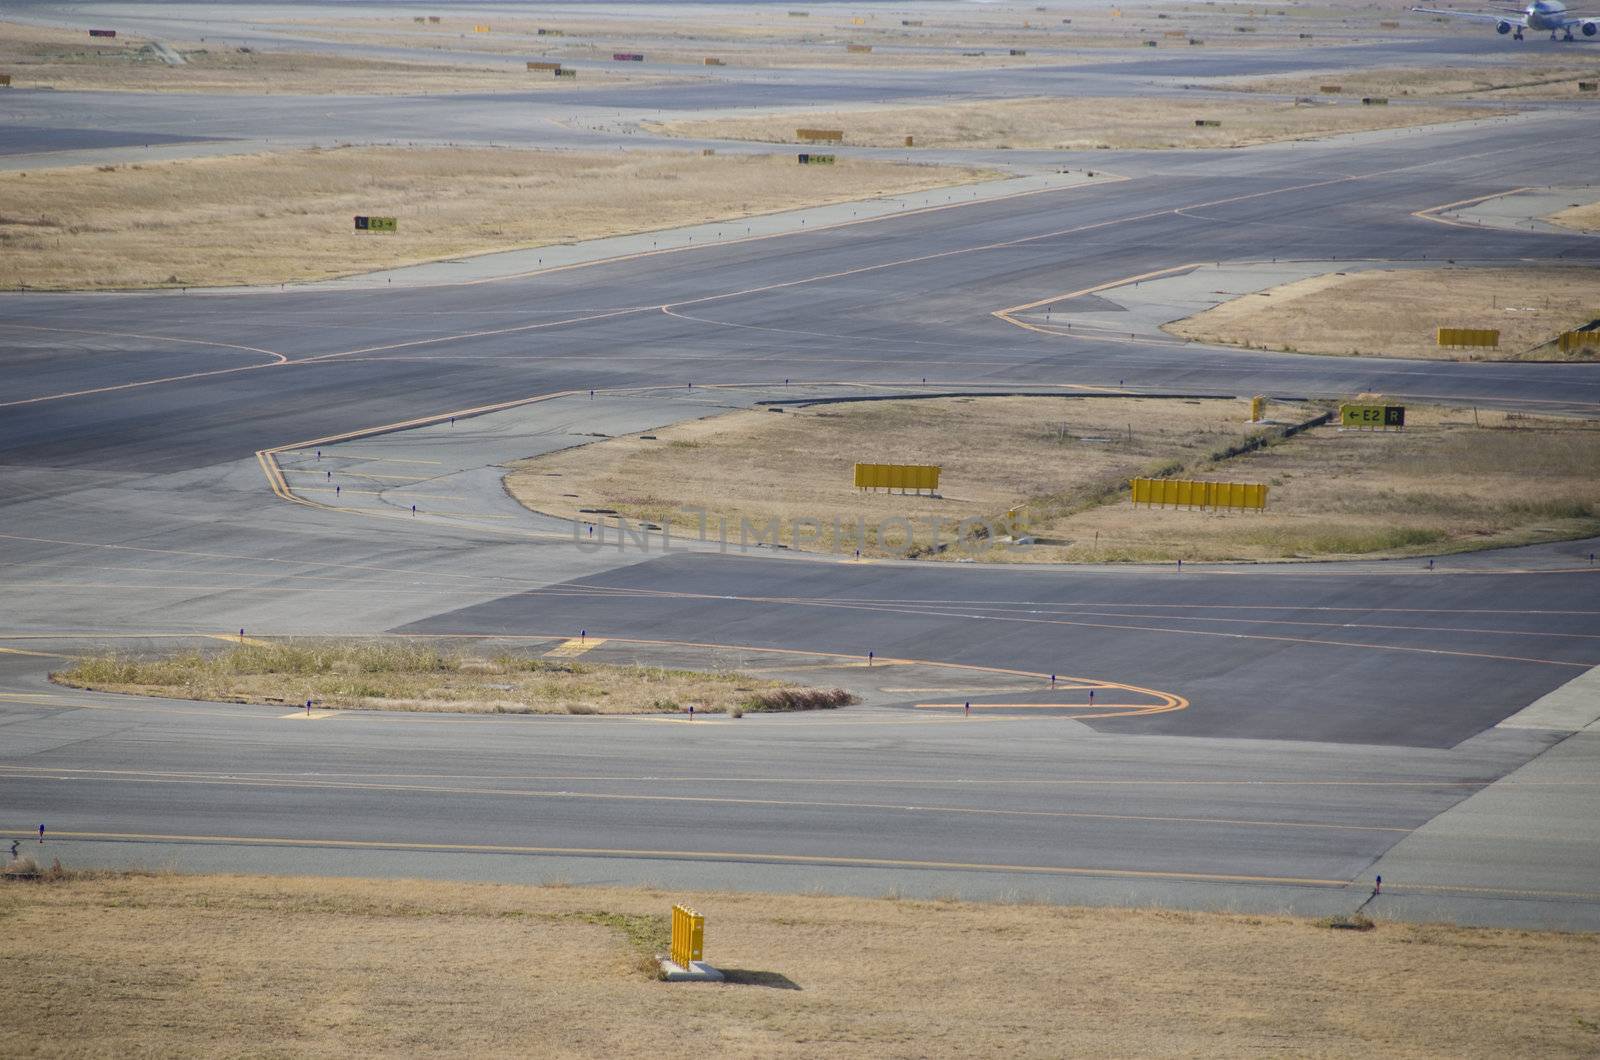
column 1505, row 27
column 1591, row 28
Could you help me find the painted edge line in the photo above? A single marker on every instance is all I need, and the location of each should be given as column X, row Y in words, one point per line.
column 691, row 855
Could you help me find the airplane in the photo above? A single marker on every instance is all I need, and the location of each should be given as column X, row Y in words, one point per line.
column 1540, row 14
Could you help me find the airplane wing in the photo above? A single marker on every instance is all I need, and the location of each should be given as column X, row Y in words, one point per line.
column 1515, row 19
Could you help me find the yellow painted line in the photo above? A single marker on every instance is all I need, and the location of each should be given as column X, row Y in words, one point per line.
column 698, row 719
column 1005, row 314
column 278, row 359
column 289, row 782
column 960, row 782
column 1037, row 706
column 28, row 697
column 990, row 690
column 698, row 855
column 364, row 475
column 40, row 654
column 234, row 638
column 575, row 646
column 421, row 494
column 315, row 715
column 1112, row 178
column 1431, row 213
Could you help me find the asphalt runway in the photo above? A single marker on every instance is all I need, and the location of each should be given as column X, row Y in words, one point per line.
column 1334, row 718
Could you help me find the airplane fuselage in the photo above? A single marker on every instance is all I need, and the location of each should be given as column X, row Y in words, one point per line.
column 1549, row 15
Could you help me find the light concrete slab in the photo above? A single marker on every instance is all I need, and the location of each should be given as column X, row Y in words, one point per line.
column 1524, row 210
column 697, row 972
column 1573, row 707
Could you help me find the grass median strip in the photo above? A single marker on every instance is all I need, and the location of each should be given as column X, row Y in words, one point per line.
column 67, row 60
column 289, row 216
column 208, row 965
column 1585, row 218
column 348, row 675
column 1454, row 480
column 1060, row 453
column 1079, row 124
column 1396, row 313
column 1530, row 80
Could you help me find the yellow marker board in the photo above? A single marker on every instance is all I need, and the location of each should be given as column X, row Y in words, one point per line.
column 1469, row 337
column 1184, row 493
column 897, row 477
column 1372, row 417
column 688, row 936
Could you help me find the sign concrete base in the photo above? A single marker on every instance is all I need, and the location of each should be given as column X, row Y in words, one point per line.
column 697, row 972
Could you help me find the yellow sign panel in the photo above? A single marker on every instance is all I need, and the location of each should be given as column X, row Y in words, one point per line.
column 902, row 477
column 480, row 29
column 1577, row 340
column 688, row 936
column 819, row 134
column 1372, row 417
column 1469, row 337
column 1183, row 493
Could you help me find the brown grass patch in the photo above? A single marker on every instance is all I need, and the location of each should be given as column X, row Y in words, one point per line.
column 69, row 60
column 273, row 218
column 1058, row 454
column 1077, row 124
column 769, row 37
column 214, row 965
column 1395, row 313
column 1583, row 218
column 1454, row 480
column 381, row 676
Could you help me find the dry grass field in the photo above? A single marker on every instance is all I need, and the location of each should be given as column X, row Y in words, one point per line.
column 760, row 42
column 1078, row 124
column 1583, row 218
column 1454, row 480
column 1061, row 454
column 287, row 216
column 761, row 35
column 69, row 60
column 179, row 966
column 1395, row 313
column 346, row 675
column 1529, row 80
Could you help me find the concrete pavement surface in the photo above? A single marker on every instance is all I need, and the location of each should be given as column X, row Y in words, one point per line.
column 159, row 461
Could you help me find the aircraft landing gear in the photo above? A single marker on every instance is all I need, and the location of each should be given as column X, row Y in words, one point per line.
column 1568, row 36
column 1518, row 35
